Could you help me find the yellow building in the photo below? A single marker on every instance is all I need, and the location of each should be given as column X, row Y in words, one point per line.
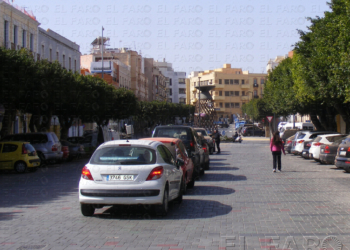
column 18, row 28
column 233, row 88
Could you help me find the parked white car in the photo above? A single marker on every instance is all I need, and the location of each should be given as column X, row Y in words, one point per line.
column 315, row 148
column 130, row 172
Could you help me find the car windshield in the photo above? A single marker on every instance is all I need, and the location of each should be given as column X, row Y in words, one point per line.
column 204, row 133
column 124, row 155
column 29, row 147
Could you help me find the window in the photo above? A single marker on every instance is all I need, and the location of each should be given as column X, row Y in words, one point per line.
column 243, row 93
column 227, row 81
column 236, row 93
column 57, row 56
column 31, row 42
column 181, row 80
column 15, row 35
column 220, row 104
column 64, row 61
column 170, row 82
column 231, row 81
column 220, row 81
column 170, row 92
column 50, row 55
column 42, row 51
column 255, row 81
column 24, row 38
column 6, row 34
column 8, row 148
column 182, row 100
column 231, row 93
column 237, row 105
column 220, row 93
column 232, row 105
column 255, row 93
column 227, row 104
column 69, row 63
column 182, row 91
column 262, row 81
column 227, row 93
column 242, row 81
column 236, row 81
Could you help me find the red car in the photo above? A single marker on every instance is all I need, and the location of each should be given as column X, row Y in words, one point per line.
column 177, row 148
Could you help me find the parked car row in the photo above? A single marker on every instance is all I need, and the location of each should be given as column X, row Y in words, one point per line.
column 149, row 171
column 326, row 147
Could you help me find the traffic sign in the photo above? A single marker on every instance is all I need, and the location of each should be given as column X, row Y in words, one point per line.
column 269, row 118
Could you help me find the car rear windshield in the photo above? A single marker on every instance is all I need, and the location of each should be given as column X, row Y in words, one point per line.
column 124, row 155
column 318, row 138
column 334, row 138
column 29, row 147
column 301, row 136
column 180, row 133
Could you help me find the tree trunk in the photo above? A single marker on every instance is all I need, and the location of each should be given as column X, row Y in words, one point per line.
column 343, row 110
column 65, row 124
column 316, row 122
column 9, row 117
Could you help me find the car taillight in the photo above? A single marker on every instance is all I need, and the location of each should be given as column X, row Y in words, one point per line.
column 155, row 174
column 301, row 141
column 289, row 142
column 348, row 162
column 318, row 144
column 54, row 148
column 348, row 149
column 191, row 144
column 24, row 150
column 85, row 173
column 205, row 148
column 326, row 150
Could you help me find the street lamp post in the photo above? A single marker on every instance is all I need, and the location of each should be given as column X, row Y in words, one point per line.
column 102, row 51
column 253, row 116
column 199, row 102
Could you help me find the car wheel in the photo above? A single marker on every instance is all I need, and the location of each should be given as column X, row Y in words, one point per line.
column 180, row 196
column 191, row 183
column 163, row 209
column 87, row 209
column 184, row 186
column 42, row 157
column 207, row 165
column 202, row 171
column 20, row 167
column 34, row 169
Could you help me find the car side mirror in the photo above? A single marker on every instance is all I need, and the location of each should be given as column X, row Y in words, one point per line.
column 179, row 163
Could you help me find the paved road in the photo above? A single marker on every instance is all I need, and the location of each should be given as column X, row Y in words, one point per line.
column 239, row 200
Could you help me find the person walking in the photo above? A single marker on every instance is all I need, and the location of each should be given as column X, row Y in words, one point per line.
column 276, row 146
column 216, row 137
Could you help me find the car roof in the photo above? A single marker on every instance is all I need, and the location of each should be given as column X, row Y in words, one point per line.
column 131, row 142
column 15, row 142
column 162, row 139
column 174, row 126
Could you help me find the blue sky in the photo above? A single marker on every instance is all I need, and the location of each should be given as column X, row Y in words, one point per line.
column 192, row 35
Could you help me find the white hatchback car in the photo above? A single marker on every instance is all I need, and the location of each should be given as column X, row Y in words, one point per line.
column 130, row 172
column 315, row 148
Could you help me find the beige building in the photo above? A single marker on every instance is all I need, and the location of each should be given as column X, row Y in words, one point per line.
column 156, row 81
column 18, row 28
column 233, row 88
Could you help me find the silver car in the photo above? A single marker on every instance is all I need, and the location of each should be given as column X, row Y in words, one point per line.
column 130, row 172
column 46, row 144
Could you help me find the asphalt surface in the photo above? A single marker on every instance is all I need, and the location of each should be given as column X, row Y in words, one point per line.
column 238, row 201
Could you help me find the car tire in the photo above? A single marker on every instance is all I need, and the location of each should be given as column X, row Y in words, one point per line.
column 164, row 207
column 207, row 165
column 180, row 196
column 42, row 157
column 32, row 170
column 202, row 172
column 87, row 209
column 191, row 183
column 20, row 167
column 184, row 185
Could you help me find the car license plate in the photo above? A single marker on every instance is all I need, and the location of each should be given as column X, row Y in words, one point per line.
column 342, row 153
column 120, row 177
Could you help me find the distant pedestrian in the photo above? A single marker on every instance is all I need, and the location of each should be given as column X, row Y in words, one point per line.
column 216, row 137
column 276, row 146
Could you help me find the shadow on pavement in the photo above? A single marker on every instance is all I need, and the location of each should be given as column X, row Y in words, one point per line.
column 217, row 160
column 221, row 177
column 209, row 190
column 215, row 168
column 48, row 183
column 218, row 164
column 188, row 209
column 8, row 215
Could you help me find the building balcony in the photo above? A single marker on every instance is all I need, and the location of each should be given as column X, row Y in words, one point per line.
column 255, row 85
column 218, row 86
column 217, row 98
column 245, row 98
column 245, row 86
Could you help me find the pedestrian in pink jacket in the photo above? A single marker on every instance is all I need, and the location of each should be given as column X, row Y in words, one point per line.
column 276, row 146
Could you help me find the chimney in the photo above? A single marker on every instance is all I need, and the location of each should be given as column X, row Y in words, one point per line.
column 227, row 66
